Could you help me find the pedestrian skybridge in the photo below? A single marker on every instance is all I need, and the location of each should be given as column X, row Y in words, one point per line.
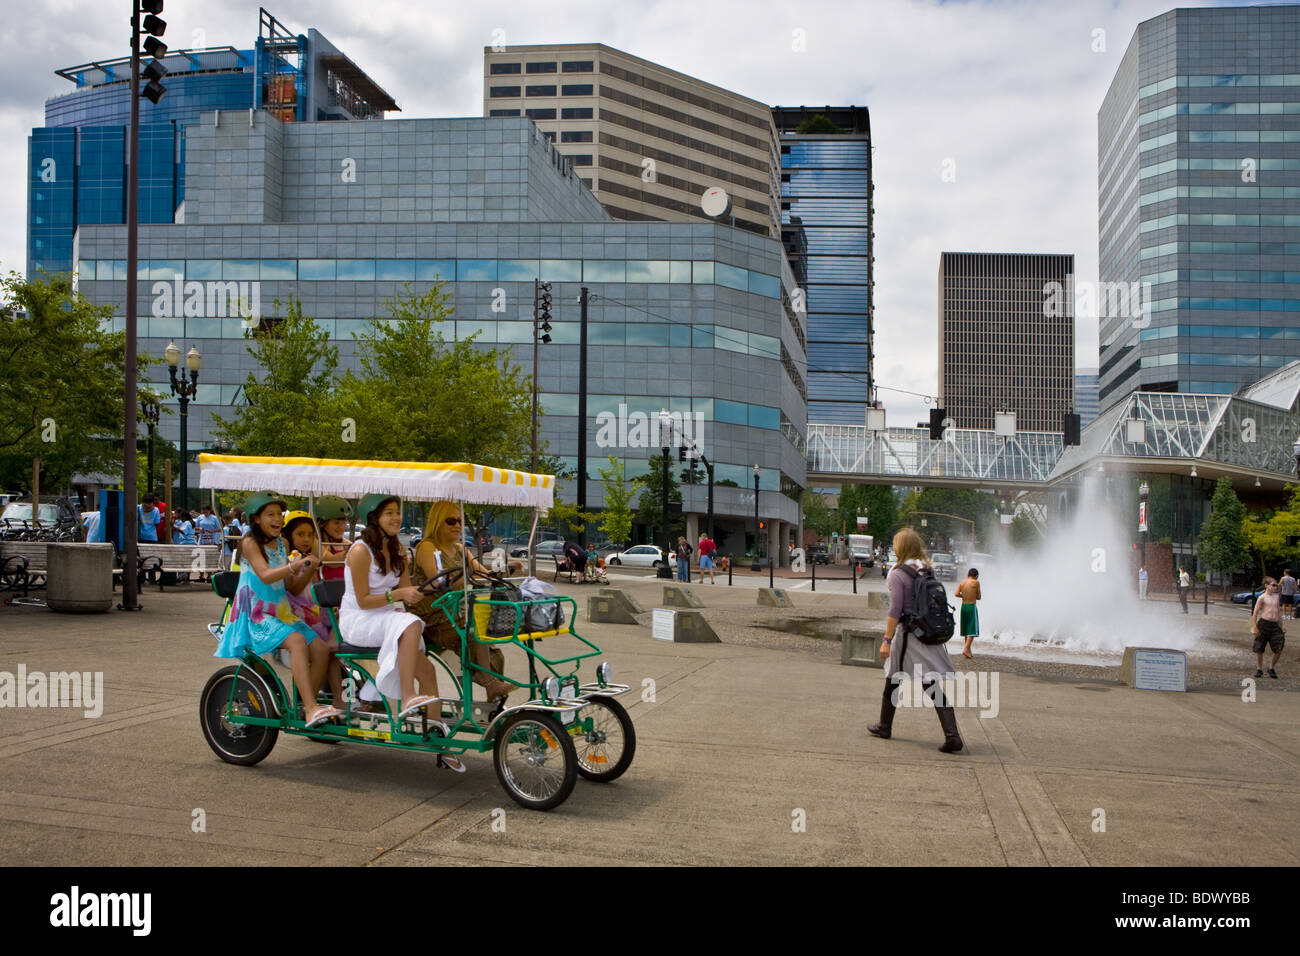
column 1248, row 436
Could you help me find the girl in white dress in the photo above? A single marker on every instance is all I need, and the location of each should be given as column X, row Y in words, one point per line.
column 372, row 613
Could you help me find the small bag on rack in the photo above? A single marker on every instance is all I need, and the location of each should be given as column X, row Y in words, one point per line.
column 501, row 622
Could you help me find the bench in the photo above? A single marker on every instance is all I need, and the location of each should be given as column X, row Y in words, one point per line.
column 562, row 566
column 156, row 560
column 23, row 564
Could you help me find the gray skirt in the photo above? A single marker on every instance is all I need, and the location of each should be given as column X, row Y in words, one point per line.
column 931, row 658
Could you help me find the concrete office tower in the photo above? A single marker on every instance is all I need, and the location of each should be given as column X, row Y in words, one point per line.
column 1003, row 343
column 647, row 140
column 77, row 171
column 1199, row 200
column 826, row 227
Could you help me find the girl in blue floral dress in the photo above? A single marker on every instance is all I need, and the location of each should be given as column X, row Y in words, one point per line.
column 262, row 619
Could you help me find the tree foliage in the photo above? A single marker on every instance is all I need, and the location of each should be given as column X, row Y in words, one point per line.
column 1267, row 534
column 1023, row 533
column 650, row 504
column 818, row 516
column 61, row 395
column 1223, row 544
column 616, row 522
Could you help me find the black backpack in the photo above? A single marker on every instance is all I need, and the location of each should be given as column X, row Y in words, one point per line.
column 930, row 620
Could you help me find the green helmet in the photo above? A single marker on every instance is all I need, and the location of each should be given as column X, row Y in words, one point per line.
column 371, row 502
column 257, row 502
column 330, row 507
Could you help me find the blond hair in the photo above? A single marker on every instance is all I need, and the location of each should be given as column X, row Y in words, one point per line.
column 439, row 512
column 909, row 547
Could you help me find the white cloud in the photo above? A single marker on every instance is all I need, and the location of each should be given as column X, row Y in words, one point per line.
column 1009, row 91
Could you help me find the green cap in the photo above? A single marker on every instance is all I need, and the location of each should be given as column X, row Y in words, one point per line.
column 370, row 502
column 330, row 507
column 257, row 502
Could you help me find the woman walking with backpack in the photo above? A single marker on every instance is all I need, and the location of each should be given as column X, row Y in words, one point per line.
column 904, row 652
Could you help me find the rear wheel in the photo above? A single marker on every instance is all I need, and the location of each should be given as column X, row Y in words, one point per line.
column 615, row 561
column 606, row 750
column 535, row 760
column 241, row 744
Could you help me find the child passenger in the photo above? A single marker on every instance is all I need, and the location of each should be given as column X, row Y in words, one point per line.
column 301, row 533
column 261, row 620
column 332, row 515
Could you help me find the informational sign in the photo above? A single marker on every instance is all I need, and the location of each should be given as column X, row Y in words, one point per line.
column 663, row 624
column 1159, row 670
column 862, row 521
column 1142, row 516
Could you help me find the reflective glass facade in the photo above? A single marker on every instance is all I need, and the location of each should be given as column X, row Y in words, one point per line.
column 1199, row 178
column 826, row 216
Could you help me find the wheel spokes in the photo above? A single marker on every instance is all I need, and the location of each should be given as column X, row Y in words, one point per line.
column 534, row 761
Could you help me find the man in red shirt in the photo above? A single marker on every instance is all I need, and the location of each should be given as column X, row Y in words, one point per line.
column 707, row 550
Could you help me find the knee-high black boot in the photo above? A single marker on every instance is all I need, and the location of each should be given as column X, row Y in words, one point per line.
column 885, row 727
column 952, row 741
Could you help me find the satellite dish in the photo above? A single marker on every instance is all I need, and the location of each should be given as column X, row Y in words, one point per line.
column 715, row 202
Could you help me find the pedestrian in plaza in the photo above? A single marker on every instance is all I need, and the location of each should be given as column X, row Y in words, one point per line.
column 208, row 526
column 150, row 519
column 1265, row 622
column 1286, row 591
column 1142, row 583
column 707, row 550
column 683, row 553
column 931, row 659
column 969, row 592
column 1184, row 585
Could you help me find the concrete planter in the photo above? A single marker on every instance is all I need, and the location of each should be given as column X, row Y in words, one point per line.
column 79, row 578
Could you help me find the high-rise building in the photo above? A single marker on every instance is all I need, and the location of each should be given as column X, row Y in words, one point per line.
column 1086, row 404
column 77, row 163
column 1004, row 345
column 1199, row 202
column 826, row 226
column 648, row 140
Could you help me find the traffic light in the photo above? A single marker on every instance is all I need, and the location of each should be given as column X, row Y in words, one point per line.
column 937, row 415
column 543, row 311
column 762, row 526
column 681, row 452
column 155, row 71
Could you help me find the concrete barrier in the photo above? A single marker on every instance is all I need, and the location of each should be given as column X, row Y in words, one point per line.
column 860, row 648
column 628, row 600
column 680, row 597
column 79, row 578
column 682, row 627
column 774, row 597
column 608, row 609
column 878, row 600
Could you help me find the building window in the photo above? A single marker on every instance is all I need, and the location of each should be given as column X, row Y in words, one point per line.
column 583, row 159
column 579, row 66
column 576, row 136
column 541, row 67
column 578, row 89
column 504, row 112
column 501, row 92
column 541, row 91
column 501, row 69
column 540, row 114
column 576, row 112
column 550, row 137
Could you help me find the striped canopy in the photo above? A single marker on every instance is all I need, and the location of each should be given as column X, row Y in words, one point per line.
column 457, row 481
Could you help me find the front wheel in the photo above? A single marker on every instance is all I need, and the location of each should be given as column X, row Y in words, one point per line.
column 604, row 751
column 615, row 561
column 237, row 690
column 535, row 760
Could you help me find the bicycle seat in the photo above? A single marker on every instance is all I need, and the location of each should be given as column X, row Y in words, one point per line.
column 327, row 593
column 225, row 583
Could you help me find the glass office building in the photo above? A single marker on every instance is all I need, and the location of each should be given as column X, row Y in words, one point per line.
column 826, row 226
column 686, row 316
column 77, row 162
column 1199, row 202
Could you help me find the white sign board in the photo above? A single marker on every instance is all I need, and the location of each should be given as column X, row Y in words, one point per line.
column 663, row 624
column 1159, row 670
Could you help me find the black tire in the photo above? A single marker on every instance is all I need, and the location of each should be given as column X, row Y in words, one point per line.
column 237, row 743
column 614, row 561
column 606, row 752
column 526, row 742
column 658, row 564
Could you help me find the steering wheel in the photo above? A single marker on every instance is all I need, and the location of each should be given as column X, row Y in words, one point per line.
column 441, row 581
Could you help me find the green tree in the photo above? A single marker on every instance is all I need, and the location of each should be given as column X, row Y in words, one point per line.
column 1023, row 532
column 650, row 504
column 61, row 398
column 422, row 398
column 1223, row 544
column 907, row 516
column 1267, row 533
column 878, row 503
column 290, row 408
column 818, row 124
column 616, row 522
column 818, row 516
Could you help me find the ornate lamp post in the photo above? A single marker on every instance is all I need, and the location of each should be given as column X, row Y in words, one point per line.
column 152, row 412
column 184, row 391
column 1144, row 492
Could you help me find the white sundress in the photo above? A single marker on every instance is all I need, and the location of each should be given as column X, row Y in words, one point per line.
column 381, row 627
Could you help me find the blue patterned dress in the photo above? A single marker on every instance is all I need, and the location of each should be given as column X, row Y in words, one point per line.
column 262, row 618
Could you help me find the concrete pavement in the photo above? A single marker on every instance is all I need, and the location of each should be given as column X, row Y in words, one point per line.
column 751, row 751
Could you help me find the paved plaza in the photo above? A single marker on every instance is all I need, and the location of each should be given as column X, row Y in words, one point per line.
column 750, row 751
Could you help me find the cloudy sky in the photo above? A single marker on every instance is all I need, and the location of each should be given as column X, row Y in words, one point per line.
column 1008, row 91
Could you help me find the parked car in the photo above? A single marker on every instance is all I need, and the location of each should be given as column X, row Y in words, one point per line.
column 1248, row 598
column 640, row 556
column 945, row 567
column 818, row 554
column 56, row 514
column 548, row 545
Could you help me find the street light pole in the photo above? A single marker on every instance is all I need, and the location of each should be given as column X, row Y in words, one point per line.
column 582, row 414
column 1144, row 492
column 152, row 412
column 184, row 391
column 758, row 566
column 131, row 529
